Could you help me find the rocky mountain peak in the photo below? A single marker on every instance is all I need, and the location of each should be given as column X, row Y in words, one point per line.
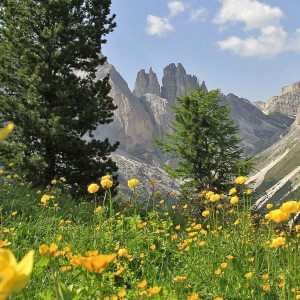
column 146, row 83
column 176, row 82
column 295, row 87
column 286, row 103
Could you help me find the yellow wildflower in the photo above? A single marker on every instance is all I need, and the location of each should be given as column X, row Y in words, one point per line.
column 205, row 213
column 106, row 183
column 132, row 183
column 248, row 275
column 241, row 180
column 142, row 284
column 93, row 188
column 14, row 276
column 154, row 290
column 278, row 215
column 234, row 200
column 290, row 207
column 194, row 296
column 122, row 293
column 232, row 191
column 4, row 243
column 123, row 252
column 97, row 263
column 179, row 278
column 280, row 241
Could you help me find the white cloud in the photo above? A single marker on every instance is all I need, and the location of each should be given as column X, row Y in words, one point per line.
column 253, row 13
column 294, row 41
column 175, row 7
column 158, row 26
column 198, row 14
column 271, row 40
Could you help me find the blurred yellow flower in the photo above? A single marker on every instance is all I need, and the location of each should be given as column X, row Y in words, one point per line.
column 106, row 183
column 194, row 296
column 234, row 200
column 277, row 215
column 123, row 252
column 248, row 275
column 214, row 198
column 265, row 276
column 218, row 271
column 97, row 263
column 205, row 213
column 179, row 278
column 241, row 180
column 290, row 207
column 224, row 265
column 48, row 251
column 105, row 177
column 269, row 205
column 93, row 188
column 152, row 247
column 4, row 132
column 14, row 276
column 122, row 293
column 232, row 191
column 154, row 290
column 276, row 242
column 142, row 284
column 249, row 191
column 132, row 183
column 53, row 181
column 4, row 243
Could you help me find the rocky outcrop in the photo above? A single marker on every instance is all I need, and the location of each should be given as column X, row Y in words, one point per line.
column 146, row 83
column 132, row 167
column 260, row 104
column 257, row 130
column 276, row 177
column 176, row 82
column 287, row 103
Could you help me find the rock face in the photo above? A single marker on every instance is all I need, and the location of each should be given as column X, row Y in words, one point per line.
column 146, row 83
column 137, row 120
column 277, row 175
column 287, row 103
column 145, row 114
column 176, row 83
column 257, row 130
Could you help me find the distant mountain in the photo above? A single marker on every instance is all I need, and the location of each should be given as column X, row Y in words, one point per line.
column 277, row 176
column 145, row 113
column 286, row 103
column 257, row 130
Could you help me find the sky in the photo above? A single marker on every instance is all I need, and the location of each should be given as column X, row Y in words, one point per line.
column 250, row 48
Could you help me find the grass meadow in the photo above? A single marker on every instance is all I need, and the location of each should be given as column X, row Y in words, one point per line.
column 209, row 246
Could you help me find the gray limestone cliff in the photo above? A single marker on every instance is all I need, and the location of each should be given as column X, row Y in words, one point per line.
column 146, row 83
column 176, row 82
column 257, row 130
column 286, row 103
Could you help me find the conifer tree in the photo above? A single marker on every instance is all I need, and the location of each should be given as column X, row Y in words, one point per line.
column 204, row 146
column 49, row 53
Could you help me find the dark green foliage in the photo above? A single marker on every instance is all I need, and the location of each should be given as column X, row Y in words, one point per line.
column 204, row 144
column 44, row 44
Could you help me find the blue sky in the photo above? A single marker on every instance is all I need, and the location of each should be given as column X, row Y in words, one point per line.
column 247, row 47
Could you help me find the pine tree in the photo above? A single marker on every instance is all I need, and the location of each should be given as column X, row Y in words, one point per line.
column 49, row 53
column 204, row 145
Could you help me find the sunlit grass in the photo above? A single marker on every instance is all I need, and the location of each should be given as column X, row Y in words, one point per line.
column 206, row 247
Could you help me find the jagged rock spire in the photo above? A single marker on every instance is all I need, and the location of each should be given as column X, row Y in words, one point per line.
column 146, row 83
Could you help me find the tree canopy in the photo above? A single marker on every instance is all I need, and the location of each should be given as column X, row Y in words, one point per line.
column 204, row 146
column 49, row 54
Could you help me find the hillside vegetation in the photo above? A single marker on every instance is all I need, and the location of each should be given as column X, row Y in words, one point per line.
column 169, row 247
